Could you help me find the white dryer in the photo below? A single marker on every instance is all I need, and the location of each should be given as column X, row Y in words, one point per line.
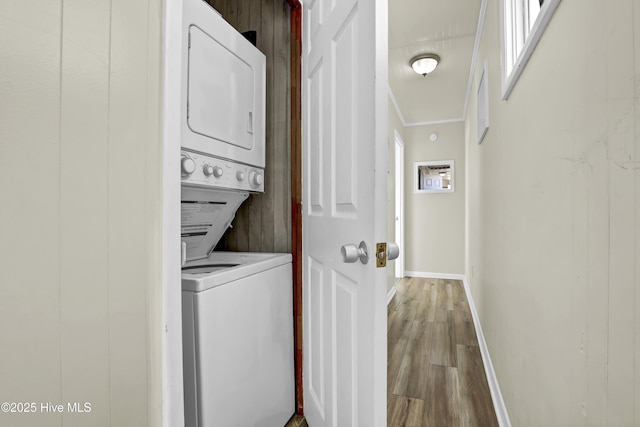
column 223, row 89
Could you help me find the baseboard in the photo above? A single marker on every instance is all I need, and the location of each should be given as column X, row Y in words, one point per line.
column 450, row 276
column 494, row 387
column 391, row 293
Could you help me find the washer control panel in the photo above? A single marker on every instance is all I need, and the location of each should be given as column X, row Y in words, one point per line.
column 198, row 169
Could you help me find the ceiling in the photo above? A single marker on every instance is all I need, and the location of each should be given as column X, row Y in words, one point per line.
column 446, row 28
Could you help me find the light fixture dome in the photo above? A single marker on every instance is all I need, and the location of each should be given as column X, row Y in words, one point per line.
column 425, row 64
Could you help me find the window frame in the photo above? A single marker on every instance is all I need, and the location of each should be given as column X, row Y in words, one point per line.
column 517, row 42
column 416, row 184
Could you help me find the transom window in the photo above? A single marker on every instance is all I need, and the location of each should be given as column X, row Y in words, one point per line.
column 523, row 22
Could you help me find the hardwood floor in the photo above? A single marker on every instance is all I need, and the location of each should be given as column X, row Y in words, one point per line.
column 435, row 375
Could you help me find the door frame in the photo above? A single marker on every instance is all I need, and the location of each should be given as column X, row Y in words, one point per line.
column 296, row 190
column 399, row 202
column 169, row 363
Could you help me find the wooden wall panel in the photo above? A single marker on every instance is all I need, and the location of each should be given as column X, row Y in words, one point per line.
column 263, row 222
column 261, row 208
column 280, row 105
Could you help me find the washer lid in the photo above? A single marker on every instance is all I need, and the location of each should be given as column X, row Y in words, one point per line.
column 206, row 215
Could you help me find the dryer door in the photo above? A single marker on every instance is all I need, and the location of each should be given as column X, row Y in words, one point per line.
column 225, row 90
column 221, row 92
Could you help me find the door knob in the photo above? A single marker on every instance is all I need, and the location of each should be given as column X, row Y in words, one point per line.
column 393, row 251
column 351, row 253
column 385, row 251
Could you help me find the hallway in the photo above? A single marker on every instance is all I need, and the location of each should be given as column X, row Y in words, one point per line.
column 435, row 375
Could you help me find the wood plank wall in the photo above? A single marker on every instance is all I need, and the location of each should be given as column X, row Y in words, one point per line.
column 263, row 222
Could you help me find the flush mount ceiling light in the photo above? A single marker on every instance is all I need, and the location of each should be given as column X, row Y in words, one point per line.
column 425, row 64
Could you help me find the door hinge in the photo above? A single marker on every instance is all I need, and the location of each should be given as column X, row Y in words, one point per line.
column 381, row 255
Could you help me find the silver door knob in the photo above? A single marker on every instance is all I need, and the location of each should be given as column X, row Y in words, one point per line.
column 351, row 253
column 393, row 251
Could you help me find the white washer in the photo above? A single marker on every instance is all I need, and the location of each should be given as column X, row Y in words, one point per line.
column 237, row 316
column 237, row 319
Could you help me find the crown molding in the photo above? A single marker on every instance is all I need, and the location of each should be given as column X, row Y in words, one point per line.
column 474, row 56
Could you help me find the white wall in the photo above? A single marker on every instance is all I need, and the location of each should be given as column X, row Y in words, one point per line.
column 80, row 216
column 554, row 219
column 435, row 222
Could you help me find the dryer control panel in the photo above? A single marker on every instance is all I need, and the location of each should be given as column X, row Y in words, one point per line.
column 208, row 171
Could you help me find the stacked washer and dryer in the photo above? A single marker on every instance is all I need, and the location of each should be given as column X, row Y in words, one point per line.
column 236, row 307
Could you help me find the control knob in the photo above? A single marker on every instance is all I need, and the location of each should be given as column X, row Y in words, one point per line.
column 255, row 178
column 187, row 165
column 240, row 176
column 208, row 170
column 217, row 171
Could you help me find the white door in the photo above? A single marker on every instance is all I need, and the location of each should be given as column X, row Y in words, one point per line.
column 345, row 160
column 399, row 188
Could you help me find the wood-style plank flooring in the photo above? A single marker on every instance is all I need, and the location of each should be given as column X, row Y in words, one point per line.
column 435, row 375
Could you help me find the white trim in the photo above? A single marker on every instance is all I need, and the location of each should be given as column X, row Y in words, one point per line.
column 435, row 122
column 449, row 276
column 399, row 200
column 395, row 105
column 530, row 44
column 391, row 293
column 407, row 125
column 494, row 387
column 482, row 99
column 474, row 56
column 172, row 381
